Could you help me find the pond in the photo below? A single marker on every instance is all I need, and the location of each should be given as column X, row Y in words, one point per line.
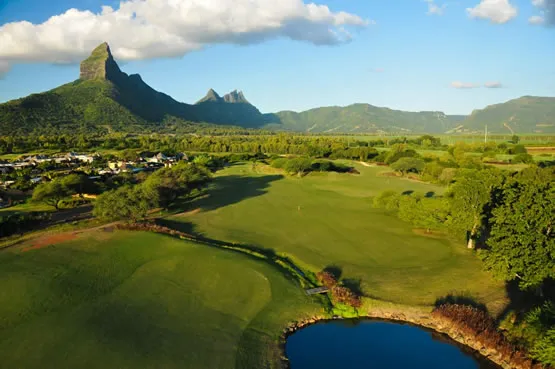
column 369, row 344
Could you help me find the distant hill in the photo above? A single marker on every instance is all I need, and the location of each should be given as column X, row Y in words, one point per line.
column 528, row 114
column 104, row 97
column 366, row 118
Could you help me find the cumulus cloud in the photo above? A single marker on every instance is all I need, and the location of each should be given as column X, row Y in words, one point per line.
column 497, row 11
column 493, row 85
column 143, row 29
column 547, row 12
column 4, row 68
column 464, row 85
column 434, row 9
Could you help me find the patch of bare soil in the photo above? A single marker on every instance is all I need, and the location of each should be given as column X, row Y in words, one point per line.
column 427, row 233
column 49, row 240
column 189, row 213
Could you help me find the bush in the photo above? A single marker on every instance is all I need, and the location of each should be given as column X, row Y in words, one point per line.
column 476, row 325
column 298, row 165
column 388, row 200
column 523, row 158
column 408, row 165
column 279, row 163
column 344, row 295
column 326, row 279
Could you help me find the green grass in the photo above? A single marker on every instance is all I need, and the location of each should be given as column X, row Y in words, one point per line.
column 328, row 219
column 141, row 300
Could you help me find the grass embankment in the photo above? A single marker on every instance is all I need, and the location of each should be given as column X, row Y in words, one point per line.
column 126, row 299
column 327, row 220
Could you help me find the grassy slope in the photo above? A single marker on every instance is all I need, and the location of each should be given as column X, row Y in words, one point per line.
column 526, row 114
column 366, row 118
column 336, row 225
column 141, row 300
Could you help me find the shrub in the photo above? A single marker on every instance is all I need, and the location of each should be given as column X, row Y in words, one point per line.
column 408, row 164
column 326, row 279
column 298, row 165
column 523, row 158
column 344, row 295
column 476, row 325
column 387, row 200
column 279, row 163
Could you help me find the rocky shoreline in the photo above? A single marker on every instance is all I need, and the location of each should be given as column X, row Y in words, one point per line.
column 420, row 319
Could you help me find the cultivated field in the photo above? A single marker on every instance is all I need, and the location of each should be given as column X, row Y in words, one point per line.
column 328, row 220
column 140, row 300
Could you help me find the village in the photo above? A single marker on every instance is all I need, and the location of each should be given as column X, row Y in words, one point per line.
column 25, row 172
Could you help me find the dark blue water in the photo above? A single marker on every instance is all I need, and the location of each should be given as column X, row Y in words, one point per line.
column 376, row 345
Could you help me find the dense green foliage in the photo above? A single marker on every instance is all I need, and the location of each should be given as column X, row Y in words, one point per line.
column 522, row 240
column 18, row 223
column 162, row 188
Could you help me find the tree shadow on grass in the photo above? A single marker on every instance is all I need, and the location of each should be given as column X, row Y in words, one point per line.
column 228, row 190
column 354, row 285
column 522, row 301
column 335, row 270
column 463, row 299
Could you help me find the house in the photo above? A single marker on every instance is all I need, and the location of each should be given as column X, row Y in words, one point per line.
column 71, row 156
column 181, row 156
column 158, row 158
column 6, row 168
column 36, row 159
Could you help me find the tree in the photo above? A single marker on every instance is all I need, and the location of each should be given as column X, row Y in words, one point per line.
column 515, row 139
column 77, row 183
column 522, row 241
column 180, row 180
column 129, row 203
column 51, row 193
column 298, row 165
column 470, row 197
column 408, row 164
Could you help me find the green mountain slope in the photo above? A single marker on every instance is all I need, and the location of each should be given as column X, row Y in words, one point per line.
column 366, row 118
column 105, row 97
column 528, row 114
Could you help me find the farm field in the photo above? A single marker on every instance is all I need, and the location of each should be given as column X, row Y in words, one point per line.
column 327, row 220
column 129, row 300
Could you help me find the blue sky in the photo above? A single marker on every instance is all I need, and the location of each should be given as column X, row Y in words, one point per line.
column 396, row 53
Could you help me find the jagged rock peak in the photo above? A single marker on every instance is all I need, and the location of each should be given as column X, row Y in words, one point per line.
column 235, row 97
column 212, row 96
column 100, row 64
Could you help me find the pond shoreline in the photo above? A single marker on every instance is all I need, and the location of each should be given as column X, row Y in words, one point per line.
column 419, row 319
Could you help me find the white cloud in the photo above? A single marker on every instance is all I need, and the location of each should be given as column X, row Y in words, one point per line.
column 463, row 85
column 547, row 12
column 143, row 29
column 536, row 19
column 497, row 11
column 493, row 85
column 4, row 68
column 378, row 70
column 434, row 9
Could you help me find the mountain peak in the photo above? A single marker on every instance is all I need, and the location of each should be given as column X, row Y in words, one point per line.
column 100, row 64
column 236, row 97
column 211, row 96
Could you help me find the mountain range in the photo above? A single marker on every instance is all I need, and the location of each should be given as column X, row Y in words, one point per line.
column 106, row 99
